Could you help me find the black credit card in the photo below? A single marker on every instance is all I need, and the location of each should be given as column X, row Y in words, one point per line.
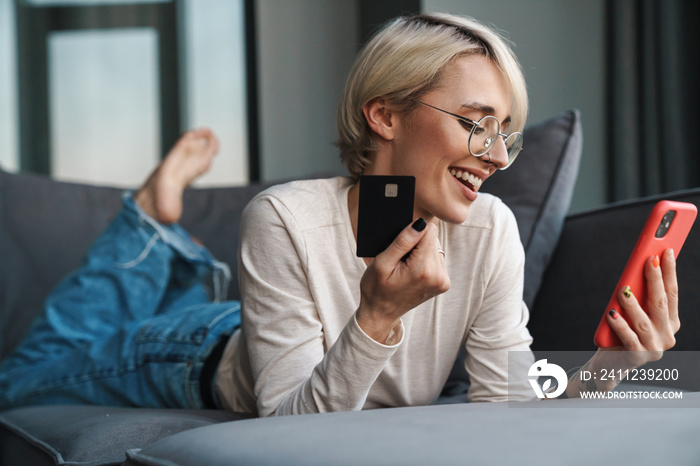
column 385, row 208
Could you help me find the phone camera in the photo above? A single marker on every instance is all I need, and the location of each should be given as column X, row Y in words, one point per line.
column 665, row 223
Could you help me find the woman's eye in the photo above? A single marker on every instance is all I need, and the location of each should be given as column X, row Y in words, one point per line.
column 467, row 125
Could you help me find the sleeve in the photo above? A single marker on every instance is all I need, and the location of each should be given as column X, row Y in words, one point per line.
column 499, row 336
column 292, row 371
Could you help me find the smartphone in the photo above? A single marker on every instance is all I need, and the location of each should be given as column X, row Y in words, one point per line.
column 385, row 208
column 668, row 226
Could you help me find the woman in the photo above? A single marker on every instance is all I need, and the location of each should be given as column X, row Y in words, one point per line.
column 325, row 331
column 437, row 97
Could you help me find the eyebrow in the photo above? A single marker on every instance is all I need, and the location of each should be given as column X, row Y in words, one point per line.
column 487, row 109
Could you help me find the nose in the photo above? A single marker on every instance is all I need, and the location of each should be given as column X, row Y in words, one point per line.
column 498, row 155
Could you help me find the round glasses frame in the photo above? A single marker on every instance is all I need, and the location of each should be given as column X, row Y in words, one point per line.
column 490, row 129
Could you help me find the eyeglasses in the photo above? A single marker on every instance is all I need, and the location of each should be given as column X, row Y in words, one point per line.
column 483, row 134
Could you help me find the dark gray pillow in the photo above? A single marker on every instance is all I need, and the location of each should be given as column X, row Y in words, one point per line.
column 538, row 189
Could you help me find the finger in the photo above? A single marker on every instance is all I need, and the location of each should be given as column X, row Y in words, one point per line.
column 668, row 271
column 403, row 243
column 635, row 316
column 438, row 248
column 214, row 143
column 628, row 337
column 427, row 248
column 426, row 263
column 209, row 138
column 657, row 304
column 203, row 133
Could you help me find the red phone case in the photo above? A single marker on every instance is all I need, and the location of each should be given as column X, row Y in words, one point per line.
column 648, row 245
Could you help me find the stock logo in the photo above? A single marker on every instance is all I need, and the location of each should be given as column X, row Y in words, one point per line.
column 543, row 369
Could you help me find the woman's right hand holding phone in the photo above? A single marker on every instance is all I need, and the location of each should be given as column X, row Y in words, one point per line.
column 393, row 284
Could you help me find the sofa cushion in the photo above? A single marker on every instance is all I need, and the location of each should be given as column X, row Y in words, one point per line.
column 91, row 435
column 538, row 188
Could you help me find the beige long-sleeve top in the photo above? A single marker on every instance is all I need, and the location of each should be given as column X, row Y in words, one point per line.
column 300, row 349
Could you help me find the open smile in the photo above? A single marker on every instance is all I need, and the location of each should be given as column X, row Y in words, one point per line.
column 468, row 179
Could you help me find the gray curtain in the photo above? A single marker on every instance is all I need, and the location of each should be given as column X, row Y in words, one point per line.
column 653, row 96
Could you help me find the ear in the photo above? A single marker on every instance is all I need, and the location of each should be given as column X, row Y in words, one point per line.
column 379, row 118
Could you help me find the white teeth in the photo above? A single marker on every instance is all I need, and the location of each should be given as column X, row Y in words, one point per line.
column 468, row 177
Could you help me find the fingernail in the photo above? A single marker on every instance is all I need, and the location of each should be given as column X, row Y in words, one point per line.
column 656, row 262
column 613, row 313
column 627, row 292
column 419, row 225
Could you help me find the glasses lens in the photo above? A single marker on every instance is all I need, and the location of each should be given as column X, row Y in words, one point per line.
column 484, row 136
column 514, row 144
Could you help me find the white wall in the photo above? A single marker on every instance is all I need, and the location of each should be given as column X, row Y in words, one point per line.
column 305, row 50
column 560, row 45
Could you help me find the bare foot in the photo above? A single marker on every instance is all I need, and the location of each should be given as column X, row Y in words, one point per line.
column 161, row 195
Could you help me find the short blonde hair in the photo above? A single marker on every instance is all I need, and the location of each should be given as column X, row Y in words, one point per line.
column 404, row 60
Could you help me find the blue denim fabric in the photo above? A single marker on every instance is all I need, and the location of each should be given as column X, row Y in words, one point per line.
column 131, row 327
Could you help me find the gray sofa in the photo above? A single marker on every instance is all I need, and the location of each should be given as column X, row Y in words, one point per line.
column 572, row 265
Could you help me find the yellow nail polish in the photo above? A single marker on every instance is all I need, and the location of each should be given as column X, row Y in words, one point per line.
column 627, row 292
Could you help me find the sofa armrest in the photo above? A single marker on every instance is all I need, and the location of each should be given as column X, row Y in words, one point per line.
column 591, row 254
column 472, row 433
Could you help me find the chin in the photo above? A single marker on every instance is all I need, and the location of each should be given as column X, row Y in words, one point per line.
column 455, row 216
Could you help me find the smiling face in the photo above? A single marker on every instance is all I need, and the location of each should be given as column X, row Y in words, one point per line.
column 433, row 146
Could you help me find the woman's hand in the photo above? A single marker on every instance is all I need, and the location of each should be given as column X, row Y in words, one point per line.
column 392, row 286
column 654, row 330
column 644, row 335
